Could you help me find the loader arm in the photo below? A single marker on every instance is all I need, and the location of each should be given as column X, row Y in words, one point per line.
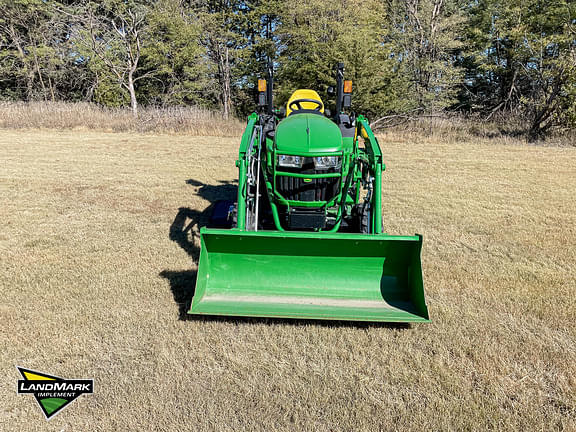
column 372, row 155
column 249, row 138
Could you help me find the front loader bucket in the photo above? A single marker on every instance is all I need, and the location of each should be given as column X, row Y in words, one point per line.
column 310, row 276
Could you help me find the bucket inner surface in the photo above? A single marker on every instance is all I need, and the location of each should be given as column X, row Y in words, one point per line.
column 307, row 275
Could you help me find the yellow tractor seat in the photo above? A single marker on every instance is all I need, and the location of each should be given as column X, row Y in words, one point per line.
column 305, row 94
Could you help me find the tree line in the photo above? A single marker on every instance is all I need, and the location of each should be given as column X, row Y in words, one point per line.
column 487, row 58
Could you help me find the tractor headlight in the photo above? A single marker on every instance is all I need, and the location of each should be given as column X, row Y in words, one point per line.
column 325, row 162
column 290, row 161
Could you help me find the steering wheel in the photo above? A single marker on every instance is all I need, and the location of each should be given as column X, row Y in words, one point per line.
column 298, row 104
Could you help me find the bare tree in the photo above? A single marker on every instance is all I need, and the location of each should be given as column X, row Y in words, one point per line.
column 426, row 32
column 220, row 33
column 221, row 52
column 115, row 38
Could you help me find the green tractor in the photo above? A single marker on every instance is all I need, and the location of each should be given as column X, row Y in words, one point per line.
column 307, row 240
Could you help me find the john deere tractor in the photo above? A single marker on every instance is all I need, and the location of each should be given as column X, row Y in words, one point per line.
column 307, row 240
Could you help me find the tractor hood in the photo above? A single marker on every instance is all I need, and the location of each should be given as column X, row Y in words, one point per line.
column 308, row 133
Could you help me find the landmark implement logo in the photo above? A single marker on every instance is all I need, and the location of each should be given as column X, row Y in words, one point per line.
column 51, row 392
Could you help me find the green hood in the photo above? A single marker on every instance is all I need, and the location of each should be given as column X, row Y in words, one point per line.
column 308, row 133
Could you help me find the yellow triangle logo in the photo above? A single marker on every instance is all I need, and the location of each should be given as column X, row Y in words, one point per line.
column 33, row 376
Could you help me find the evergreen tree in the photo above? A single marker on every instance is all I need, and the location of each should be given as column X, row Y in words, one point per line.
column 523, row 61
column 315, row 35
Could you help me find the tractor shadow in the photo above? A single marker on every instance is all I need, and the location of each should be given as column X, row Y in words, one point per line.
column 185, row 232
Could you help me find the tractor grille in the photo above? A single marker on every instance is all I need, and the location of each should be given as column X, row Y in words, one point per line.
column 298, row 189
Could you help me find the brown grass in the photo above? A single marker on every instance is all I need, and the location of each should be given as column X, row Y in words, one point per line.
column 87, row 116
column 197, row 121
column 461, row 129
column 95, row 268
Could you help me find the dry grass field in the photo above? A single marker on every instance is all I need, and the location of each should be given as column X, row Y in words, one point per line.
column 82, row 116
column 97, row 266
